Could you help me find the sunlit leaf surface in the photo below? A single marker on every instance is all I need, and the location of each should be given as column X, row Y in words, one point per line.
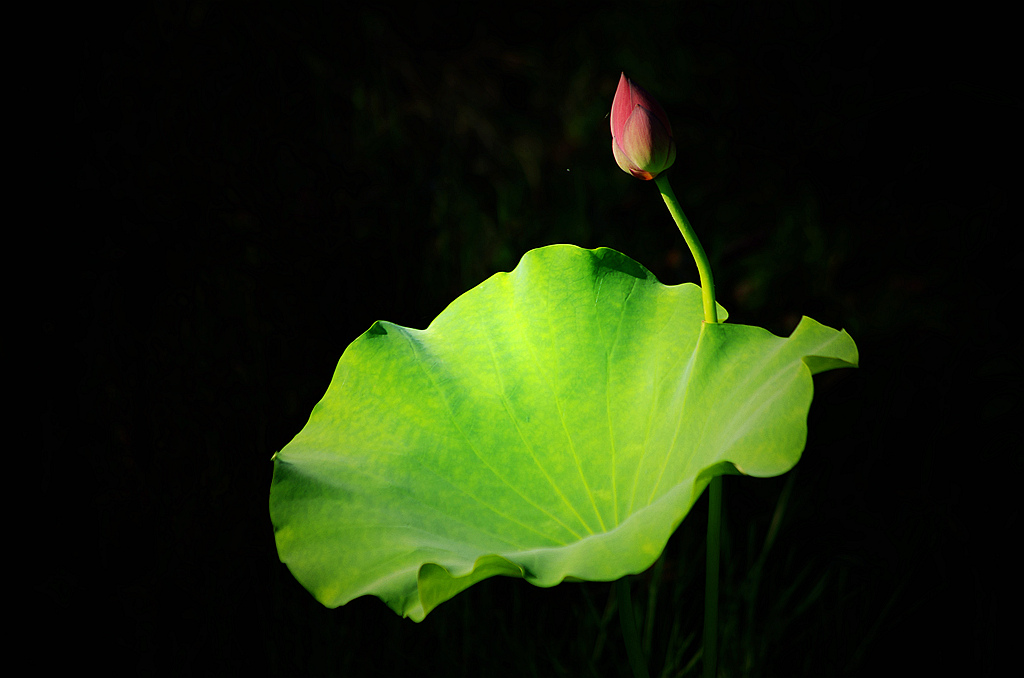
column 556, row 422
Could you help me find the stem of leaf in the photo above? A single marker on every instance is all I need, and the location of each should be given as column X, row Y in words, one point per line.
column 629, row 632
column 710, row 652
column 707, row 286
column 707, row 282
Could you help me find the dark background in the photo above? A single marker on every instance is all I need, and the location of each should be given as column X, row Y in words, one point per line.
column 254, row 183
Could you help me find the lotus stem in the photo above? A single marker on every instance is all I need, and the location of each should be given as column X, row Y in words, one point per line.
column 710, row 652
column 707, row 287
column 633, row 648
column 707, row 282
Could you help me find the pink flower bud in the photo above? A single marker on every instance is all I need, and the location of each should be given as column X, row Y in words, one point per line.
column 641, row 134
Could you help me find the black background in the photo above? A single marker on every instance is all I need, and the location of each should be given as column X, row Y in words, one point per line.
column 253, row 184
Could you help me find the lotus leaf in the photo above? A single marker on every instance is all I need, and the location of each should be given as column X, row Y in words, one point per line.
column 553, row 423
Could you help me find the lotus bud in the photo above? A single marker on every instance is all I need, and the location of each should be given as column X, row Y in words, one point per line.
column 641, row 134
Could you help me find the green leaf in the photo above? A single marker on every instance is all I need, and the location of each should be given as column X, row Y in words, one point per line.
column 556, row 422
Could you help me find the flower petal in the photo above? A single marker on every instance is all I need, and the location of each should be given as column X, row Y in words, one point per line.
column 621, row 159
column 638, row 137
column 622, row 106
column 639, row 96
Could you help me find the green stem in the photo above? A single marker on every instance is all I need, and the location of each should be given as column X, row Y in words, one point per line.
column 707, row 286
column 707, row 282
column 711, row 581
column 629, row 632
